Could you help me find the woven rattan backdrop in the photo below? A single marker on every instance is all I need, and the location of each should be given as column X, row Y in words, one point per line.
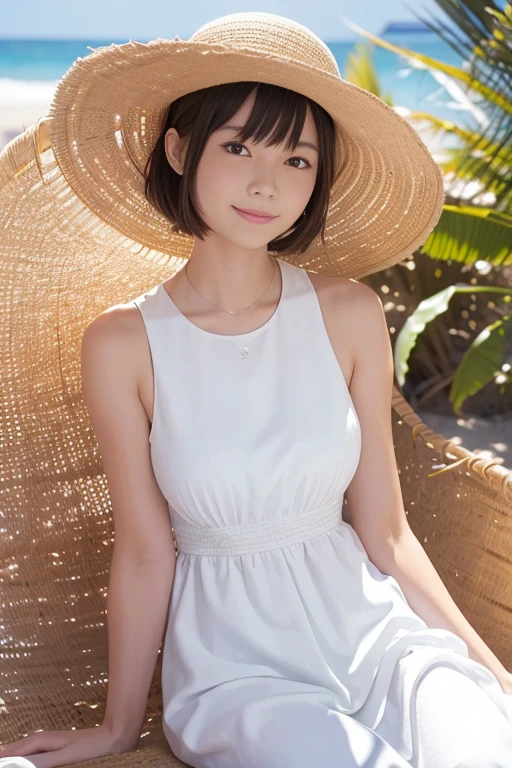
column 55, row 518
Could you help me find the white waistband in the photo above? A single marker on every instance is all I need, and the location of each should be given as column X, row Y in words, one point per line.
column 262, row 535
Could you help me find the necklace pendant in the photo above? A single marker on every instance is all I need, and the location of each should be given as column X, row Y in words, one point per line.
column 243, row 352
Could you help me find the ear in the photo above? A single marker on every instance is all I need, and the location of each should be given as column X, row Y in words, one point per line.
column 174, row 150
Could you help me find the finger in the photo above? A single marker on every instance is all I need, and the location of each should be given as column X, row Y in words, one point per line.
column 36, row 742
column 44, row 760
column 15, row 749
column 59, row 757
column 55, row 759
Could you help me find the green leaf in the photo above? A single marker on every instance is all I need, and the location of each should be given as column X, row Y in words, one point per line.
column 428, row 310
column 471, row 233
column 415, row 324
column 482, row 360
column 480, row 142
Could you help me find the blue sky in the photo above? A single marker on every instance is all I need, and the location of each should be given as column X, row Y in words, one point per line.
column 146, row 19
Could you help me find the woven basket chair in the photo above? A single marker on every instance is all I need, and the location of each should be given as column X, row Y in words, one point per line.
column 55, row 516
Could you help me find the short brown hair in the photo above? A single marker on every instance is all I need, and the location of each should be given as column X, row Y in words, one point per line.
column 196, row 115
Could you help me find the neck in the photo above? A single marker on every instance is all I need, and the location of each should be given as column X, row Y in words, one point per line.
column 232, row 283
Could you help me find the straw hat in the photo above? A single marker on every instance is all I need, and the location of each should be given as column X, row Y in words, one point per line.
column 108, row 110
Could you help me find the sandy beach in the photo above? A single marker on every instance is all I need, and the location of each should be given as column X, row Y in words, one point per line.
column 16, row 119
column 489, row 437
column 20, row 108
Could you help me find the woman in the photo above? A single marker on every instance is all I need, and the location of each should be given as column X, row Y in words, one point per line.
column 241, row 399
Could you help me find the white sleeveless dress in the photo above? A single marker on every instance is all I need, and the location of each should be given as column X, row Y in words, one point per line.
column 275, row 609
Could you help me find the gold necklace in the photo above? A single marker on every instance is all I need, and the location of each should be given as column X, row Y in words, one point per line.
column 229, row 312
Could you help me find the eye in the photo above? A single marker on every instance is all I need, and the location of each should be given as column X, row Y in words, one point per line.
column 233, row 144
column 308, row 164
column 237, row 144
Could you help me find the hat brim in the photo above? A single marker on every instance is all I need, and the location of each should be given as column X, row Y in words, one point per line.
column 107, row 113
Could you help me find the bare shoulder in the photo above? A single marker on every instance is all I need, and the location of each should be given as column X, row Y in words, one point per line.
column 352, row 312
column 118, row 334
column 348, row 294
column 353, row 304
column 118, row 321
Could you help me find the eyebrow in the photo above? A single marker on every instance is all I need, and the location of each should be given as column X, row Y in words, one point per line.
column 239, row 128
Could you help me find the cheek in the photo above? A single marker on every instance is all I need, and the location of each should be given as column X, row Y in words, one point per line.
column 216, row 181
column 299, row 188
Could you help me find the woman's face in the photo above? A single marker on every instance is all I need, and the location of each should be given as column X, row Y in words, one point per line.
column 252, row 176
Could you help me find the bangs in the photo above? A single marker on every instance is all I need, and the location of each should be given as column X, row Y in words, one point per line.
column 274, row 112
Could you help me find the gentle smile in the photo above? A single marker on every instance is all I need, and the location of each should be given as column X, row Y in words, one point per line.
column 256, row 218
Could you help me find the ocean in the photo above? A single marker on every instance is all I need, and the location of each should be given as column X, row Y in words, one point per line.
column 30, row 69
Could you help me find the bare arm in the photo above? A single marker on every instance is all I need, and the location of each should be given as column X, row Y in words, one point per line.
column 144, row 559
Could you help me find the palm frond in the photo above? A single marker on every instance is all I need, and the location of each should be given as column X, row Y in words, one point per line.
column 482, row 87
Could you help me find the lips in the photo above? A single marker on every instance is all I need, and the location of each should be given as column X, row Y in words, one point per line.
column 254, row 217
column 254, row 212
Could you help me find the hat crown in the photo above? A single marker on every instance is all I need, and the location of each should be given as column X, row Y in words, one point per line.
column 271, row 35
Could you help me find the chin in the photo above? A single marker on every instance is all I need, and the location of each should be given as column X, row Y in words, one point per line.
column 247, row 242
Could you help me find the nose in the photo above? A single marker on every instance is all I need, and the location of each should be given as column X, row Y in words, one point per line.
column 263, row 184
